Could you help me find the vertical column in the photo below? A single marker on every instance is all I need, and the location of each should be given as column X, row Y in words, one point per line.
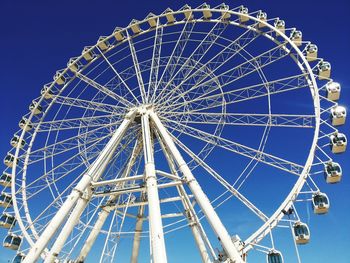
column 94, row 172
column 137, row 235
column 155, row 216
column 105, row 211
column 198, row 193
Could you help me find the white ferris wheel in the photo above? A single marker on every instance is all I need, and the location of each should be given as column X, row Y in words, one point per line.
column 183, row 124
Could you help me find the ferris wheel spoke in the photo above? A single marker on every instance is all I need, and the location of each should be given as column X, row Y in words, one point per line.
column 222, row 181
column 157, row 48
column 118, row 75
column 244, row 119
column 175, row 55
column 64, row 143
column 90, row 105
column 78, row 123
column 219, row 60
column 74, row 162
column 242, row 70
column 206, row 102
column 137, row 68
column 197, row 55
column 103, row 89
column 235, row 147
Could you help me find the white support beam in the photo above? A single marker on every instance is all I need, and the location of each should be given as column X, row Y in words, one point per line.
column 199, row 195
column 155, row 216
column 105, row 211
column 93, row 174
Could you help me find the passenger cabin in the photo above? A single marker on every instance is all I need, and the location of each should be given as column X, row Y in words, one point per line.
column 301, row 233
column 297, row 37
column 262, row 16
column 206, row 11
column 9, row 160
column 320, row 203
column 59, row 77
column 73, row 64
column 169, row 14
column 187, row 10
column 274, row 256
column 118, row 34
column 338, row 142
column 35, row 108
column 25, row 124
column 135, row 26
column 12, row 241
column 88, row 54
column 5, row 200
column 225, row 15
column 280, row 25
column 152, row 20
column 324, row 70
column 7, row 221
column 332, row 173
column 103, row 43
column 17, row 141
column 243, row 14
column 338, row 115
column 5, row 179
column 47, row 92
column 311, row 52
column 19, row 258
column 333, row 90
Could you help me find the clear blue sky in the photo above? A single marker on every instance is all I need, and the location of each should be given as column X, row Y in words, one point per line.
column 38, row 37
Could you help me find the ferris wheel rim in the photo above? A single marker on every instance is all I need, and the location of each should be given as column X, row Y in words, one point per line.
column 309, row 161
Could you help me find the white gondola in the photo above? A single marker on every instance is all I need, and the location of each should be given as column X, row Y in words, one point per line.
column 103, row 43
column 5, row 179
column 333, row 90
column 297, row 37
column 243, row 14
column 88, row 54
column 47, row 92
column 135, row 26
column 338, row 142
column 19, row 258
column 274, row 256
column 338, row 115
column 301, row 233
column 225, row 15
column 59, row 77
column 324, row 70
column 7, row 221
column 169, row 14
column 320, row 203
column 74, row 64
column 152, row 20
column 12, row 241
column 17, row 141
column 206, row 11
column 333, row 172
column 118, row 34
column 311, row 52
column 35, row 108
column 5, row 200
column 187, row 10
column 280, row 25
column 9, row 160
column 262, row 16
column 25, row 124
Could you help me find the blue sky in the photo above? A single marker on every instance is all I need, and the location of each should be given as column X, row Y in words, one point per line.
column 39, row 37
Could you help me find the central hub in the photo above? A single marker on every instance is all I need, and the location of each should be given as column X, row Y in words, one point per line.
column 141, row 110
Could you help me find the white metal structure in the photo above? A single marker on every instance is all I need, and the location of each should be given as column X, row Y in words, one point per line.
column 165, row 124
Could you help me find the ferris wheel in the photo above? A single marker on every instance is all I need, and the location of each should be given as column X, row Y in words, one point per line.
column 208, row 123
